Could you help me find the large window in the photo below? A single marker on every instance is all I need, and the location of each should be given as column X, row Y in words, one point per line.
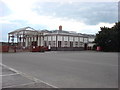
column 59, row 38
column 54, row 38
column 81, row 45
column 49, row 38
column 76, row 44
column 71, row 38
column 81, row 39
column 76, row 38
column 65, row 43
column 91, row 39
column 85, row 40
column 45, row 38
column 54, row 43
column 65, row 38
column 49, row 42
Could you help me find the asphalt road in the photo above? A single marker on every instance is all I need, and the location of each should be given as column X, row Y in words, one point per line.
column 68, row 69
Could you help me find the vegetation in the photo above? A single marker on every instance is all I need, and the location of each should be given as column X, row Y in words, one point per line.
column 108, row 38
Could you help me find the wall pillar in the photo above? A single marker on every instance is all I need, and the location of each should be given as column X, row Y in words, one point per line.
column 56, row 40
column 68, row 41
column 73, row 41
column 42, row 44
column 51, row 41
column 78, row 41
column 47, row 42
column 62, row 45
column 26, row 42
column 38, row 41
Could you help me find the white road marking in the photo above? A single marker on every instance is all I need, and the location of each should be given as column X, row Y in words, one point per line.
column 9, row 68
column 18, row 85
column 29, row 77
column 10, row 74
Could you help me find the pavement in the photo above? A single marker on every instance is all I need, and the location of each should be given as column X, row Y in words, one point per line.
column 14, row 79
column 78, row 69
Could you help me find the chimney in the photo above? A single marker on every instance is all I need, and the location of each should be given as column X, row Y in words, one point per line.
column 60, row 28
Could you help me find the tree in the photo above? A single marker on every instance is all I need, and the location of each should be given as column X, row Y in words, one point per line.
column 108, row 38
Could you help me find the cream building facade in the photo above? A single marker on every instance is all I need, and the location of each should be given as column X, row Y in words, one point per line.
column 56, row 39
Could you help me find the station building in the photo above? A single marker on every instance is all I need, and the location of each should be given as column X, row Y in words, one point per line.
column 55, row 39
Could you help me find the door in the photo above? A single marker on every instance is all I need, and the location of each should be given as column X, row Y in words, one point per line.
column 59, row 43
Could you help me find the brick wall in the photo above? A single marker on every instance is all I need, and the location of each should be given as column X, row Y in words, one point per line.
column 4, row 48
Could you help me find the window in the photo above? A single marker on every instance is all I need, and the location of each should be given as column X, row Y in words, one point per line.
column 65, row 38
column 71, row 38
column 81, row 44
column 76, row 38
column 54, row 43
column 53, row 38
column 60, row 38
column 81, row 39
column 45, row 38
column 65, row 44
column 85, row 40
column 49, row 42
column 49, row 38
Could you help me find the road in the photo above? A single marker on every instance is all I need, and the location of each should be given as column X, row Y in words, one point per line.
column 78, row 69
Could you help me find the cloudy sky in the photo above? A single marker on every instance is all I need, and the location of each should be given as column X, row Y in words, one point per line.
column 73, row 15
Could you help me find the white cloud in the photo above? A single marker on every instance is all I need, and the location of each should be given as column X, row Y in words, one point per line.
column 22, row 10
column 4, row 22
column 19, row 5
column 68, row 24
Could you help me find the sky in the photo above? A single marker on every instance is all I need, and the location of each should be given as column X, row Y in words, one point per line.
column 74, row 15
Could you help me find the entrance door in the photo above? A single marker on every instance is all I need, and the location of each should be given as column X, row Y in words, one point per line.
column 71, row 44
column 85, row 46
column 34, row 43
column 59, row 43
